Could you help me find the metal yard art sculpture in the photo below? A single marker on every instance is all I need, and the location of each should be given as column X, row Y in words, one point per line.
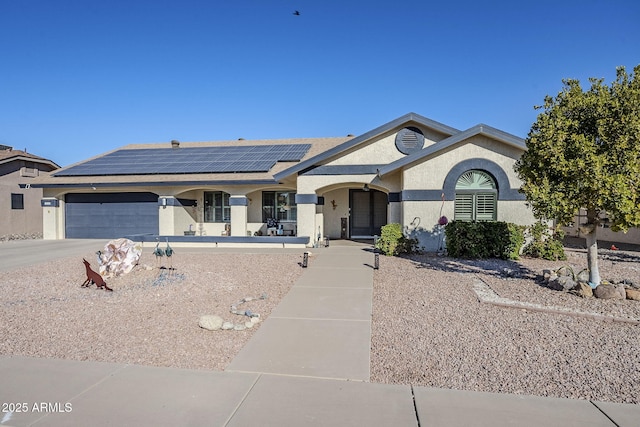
column 93, row 278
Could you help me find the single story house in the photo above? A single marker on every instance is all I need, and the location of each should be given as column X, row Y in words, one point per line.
column 19, row 205
column 411, row 171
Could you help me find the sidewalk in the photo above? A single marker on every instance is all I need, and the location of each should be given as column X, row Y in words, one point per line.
column 308, row 364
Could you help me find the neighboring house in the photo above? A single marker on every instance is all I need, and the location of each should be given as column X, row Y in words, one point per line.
column 604, row 233
column 411, row 171
column 20, row 206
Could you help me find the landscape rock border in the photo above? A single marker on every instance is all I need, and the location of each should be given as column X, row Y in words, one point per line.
column 214, row 322
column 487, row 295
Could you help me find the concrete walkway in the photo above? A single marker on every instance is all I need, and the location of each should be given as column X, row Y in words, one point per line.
column 322, row 327
column 308, row 364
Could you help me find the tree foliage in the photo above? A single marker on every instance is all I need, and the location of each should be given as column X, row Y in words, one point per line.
column 583, row 151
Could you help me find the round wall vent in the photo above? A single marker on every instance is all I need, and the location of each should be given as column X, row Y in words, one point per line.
column 409, row 140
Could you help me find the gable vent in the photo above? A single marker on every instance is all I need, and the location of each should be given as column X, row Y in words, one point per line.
column 409, row 139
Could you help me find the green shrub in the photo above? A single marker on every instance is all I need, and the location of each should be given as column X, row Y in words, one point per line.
column 393, row 242
column 486, row 239
column 545, row 243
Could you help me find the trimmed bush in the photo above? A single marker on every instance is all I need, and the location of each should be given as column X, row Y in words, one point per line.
column 393, row 242
column 545, row 243
column 485, row 239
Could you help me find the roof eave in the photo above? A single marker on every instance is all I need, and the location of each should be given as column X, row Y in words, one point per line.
column 30, row 159
column 151, row 183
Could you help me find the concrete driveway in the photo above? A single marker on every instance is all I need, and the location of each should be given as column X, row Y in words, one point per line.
column 21, row 253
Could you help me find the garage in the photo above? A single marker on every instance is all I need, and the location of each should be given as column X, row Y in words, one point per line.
column 110, row 215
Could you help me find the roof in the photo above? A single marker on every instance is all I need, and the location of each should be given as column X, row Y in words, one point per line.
column 319, row 151
column 8, row 154
column 365, row 137
column 480, row 129
column 63, row 179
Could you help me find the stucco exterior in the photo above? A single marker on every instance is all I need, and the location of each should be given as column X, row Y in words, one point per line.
column 405, row 171
column 18, row 170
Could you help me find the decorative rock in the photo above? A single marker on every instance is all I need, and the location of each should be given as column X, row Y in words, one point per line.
column 226, row 326
column 632, row 294
column 565, row 271
column 610, row 291
column 255, row 320
column 239, row 327
column 562, row 283
column 582, row 290
column 583, row 276
column 248, row 325
column 210, row 322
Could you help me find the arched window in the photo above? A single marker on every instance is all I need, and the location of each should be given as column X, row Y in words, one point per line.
column 476, row 197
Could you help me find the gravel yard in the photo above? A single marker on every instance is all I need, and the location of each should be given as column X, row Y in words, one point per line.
column 428, row 327
column 151, row 317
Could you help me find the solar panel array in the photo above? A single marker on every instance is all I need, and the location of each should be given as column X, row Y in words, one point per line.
column 220, row 159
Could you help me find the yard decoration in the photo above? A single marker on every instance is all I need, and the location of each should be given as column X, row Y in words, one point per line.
column 159, row 253
column 93, row 277
column 118, row 257
column 583, row 152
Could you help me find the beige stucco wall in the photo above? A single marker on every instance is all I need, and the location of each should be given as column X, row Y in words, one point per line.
column 333, row 215
column 381, row 151
column 19, row 221
column 376, row 152
column 431, row 173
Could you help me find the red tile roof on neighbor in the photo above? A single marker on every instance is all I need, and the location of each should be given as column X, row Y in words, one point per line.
column 8, row 154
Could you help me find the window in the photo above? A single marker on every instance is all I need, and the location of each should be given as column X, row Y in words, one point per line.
column 216, row 206
column 476, row 197
column 280, row 205
column 17, row 201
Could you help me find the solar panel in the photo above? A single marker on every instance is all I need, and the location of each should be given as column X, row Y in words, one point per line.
column 220, row 159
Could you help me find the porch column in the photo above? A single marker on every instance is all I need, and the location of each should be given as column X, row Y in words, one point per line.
column 307, row 216
column 166, row 219
column 395, row 208
column 239, row 215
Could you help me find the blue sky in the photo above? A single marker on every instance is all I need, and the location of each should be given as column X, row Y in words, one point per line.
column 80, row 78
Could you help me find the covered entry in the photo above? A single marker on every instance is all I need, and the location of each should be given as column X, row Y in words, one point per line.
column 110, row 215
column 368, row 213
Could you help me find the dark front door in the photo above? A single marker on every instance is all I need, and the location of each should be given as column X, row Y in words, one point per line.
column 368, row 213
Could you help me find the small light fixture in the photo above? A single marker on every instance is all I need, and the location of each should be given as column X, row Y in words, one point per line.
column 366, row 187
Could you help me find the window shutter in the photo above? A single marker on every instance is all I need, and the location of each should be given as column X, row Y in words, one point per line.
column 463, row 210
column 485, row 206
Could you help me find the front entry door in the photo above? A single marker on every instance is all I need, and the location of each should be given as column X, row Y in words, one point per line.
column 368, row 213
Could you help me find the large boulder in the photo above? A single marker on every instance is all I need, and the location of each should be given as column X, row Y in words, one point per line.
column 610, row 291
column 210, row 322
column 118, row 257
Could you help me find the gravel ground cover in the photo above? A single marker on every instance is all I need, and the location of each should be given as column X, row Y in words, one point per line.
column 150, row 318
column 429, row 329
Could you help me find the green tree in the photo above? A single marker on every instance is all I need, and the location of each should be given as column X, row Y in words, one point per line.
column 583, row 151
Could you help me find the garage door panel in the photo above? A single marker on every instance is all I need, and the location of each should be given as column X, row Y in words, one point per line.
column 111, row 215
